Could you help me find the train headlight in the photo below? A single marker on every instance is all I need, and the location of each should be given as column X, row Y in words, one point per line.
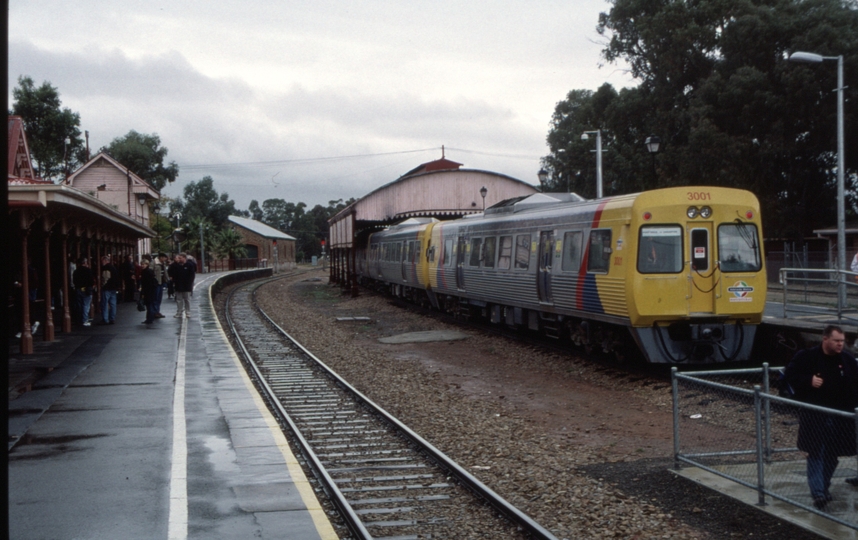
column 705, row 212
column 691, row 212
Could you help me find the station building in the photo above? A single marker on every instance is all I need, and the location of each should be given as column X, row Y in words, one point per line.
column 50, row 226
column 441, row 189
column 266, row 244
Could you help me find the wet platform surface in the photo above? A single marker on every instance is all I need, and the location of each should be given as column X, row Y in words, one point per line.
column 150, row 431
column 792, row 482
column 129, row 431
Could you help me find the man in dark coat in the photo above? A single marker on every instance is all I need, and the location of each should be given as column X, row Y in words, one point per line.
column 148, row 290
column 183, row 275
column 826, row 376
column 83, row 281
column 110, row 285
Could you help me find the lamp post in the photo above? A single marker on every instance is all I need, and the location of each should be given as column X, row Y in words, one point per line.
column 585, row 136
column 156, row 210
column 652, row 143
column 202, row 250
column 813, row 58
column 543, row 177
column 176, row 237
column 483, row 192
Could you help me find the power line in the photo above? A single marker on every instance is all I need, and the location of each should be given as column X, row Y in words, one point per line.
column 205, row 166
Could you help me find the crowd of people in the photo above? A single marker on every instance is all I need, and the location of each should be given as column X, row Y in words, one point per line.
column 145, row 283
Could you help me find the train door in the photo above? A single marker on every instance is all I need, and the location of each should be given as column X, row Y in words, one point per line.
column 461, row 247
column 406, row 258
column 702, row 275
column 543, row 272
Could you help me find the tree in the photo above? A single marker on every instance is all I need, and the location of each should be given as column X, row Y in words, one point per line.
column 48, row 126
column 196, row 227
column 253, row 211
column 144, row 155
column 202, row 201
column 229, row 244
column 715, row 86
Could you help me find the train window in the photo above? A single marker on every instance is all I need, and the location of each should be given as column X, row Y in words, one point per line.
column 505, row 256
column 599, row 259
column 397, row 252
column 660, row 249
column 738, row 248
column 522, row 251
column 572, row 251
column 476, row 244
column 489, row 252
column 448, row 252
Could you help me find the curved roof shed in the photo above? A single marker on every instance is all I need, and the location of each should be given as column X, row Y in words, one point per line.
column 439, row 189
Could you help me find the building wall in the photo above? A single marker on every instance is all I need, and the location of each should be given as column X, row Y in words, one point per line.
column 116, row 192
column 285, row 248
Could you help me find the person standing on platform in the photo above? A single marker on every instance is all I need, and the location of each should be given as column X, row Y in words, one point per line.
column 183, row 281
column 148, row 290
column 83, row 280
column 128, row 272
column 110, row 285
column 826, row 376
column 159, row 268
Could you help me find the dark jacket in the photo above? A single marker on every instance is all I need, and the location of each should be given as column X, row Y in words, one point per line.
column 838, row 391
column 183, row 276
column 82, row 279
column 148, row 284
column 110, row 280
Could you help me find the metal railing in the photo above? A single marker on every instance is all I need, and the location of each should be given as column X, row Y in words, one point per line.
column 826, row 287
column 734, row 425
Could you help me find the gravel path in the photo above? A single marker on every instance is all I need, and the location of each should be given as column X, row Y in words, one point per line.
column 555, row 435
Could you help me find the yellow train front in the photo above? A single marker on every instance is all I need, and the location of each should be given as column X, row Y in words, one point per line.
column 696, row 275
column 676, row 274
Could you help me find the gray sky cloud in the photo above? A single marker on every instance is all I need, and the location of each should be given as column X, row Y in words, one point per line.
column 270, row 85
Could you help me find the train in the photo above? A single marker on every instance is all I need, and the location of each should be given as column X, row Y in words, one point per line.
column 668, row 276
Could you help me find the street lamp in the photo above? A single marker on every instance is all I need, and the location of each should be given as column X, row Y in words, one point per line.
column 652, row 143
column 598, row 134
column 483, row 192
column 543, row 177
column 813, row 58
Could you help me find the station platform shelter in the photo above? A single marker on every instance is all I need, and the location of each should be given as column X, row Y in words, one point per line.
column 49, row 227
column 439, row 189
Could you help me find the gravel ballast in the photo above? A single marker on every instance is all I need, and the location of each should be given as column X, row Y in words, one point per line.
column 583, row 450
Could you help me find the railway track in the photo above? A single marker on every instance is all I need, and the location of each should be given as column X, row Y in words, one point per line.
column 385, row 480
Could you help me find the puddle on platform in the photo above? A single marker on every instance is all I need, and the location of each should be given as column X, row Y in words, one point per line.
column 221, row 455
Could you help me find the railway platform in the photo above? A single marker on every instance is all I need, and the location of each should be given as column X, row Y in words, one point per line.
column 149, row 431
column 129, row 431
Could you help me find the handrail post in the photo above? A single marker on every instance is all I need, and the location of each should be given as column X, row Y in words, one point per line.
column 768, row 412
column 784, row 283
column 675, row 390
column 761, row 487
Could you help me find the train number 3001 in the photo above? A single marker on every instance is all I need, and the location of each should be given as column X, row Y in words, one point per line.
column 699, row 196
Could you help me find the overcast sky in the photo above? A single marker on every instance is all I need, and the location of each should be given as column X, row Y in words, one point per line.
column 316, row 100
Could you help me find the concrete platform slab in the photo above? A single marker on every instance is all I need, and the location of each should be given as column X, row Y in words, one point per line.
column 424, row 337
column 783, row 510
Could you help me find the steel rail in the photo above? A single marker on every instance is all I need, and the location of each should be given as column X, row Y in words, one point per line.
column 499, row 503
column 353, row 522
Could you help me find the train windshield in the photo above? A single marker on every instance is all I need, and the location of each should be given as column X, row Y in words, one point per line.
column 738, row 248
column 660, row 249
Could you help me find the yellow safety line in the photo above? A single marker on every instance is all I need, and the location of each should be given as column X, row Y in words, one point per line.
column 317, row 513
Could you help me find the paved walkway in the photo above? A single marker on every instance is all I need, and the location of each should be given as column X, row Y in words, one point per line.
column 150, row 431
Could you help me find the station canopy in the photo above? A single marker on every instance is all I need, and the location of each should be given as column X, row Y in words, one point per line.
column 438, row 189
